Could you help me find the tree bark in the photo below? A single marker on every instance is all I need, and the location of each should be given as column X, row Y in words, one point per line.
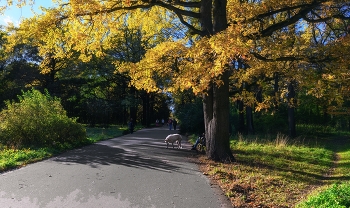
column 291, row 112
column 291, row 122
column 275, row 89
column 146, row 109
column 249, row 116
column 241, row 124
column 216, row 99
column 206, row 17
column 133, row 108
column 216, row 117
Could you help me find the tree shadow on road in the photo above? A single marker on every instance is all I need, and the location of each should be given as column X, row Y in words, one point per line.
column 95, row 155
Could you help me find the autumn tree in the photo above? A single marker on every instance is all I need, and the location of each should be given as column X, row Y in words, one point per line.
column 292, row 45
column 272, row 36
column 18, row 69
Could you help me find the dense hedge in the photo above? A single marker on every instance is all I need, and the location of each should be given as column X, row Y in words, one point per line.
column 38, row 119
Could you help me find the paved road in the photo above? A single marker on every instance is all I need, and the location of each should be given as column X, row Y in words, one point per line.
column 134, row 170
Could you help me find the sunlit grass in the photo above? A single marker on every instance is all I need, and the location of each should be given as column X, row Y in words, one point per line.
column 286, row 157
column 270, row 172
column 97, row 134
column 335, row 196
column 343, row 165
column 11, row 158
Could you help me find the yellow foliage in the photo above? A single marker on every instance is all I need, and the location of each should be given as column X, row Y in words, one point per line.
column 89, row 26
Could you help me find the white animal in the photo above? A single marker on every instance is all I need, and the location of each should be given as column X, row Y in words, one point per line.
column 173, row 138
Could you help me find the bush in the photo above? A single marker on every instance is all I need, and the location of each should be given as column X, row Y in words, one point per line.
column 337, row 196
column 40, row 120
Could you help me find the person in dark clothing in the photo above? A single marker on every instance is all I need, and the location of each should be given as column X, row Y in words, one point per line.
column 170, row 123
column 131, row 126
column 174, row 124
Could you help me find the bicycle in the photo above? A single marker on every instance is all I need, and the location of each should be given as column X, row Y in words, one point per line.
column 201, row 147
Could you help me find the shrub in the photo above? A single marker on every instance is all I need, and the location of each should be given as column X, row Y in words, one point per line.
column 337, row 196
column 38, row 119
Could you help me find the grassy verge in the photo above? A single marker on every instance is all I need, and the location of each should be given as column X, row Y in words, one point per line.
column 98, row 134
column 343, row 165
column 335, row 196
column 277, row 172
column 11, row 158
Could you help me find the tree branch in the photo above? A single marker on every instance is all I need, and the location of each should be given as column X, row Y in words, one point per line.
column 286, row 58
column 302, row 13
column 273, row 12
column 187, row 4
column 179, row 12
column 325, row 19
column 294, row 58
column 147, row 5
column 189, row 26
column 269, row 30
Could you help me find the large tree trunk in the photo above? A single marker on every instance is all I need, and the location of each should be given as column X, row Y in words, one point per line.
column 216, row 99
column 275, row 89
column 291, row 112
column 206, row 17
column 133, row 107
column 249, row 116
column 145, row 109
column 216, row 118
column 241, row 124
column 291, row 122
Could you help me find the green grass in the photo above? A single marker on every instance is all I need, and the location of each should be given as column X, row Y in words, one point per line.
column 343, row 165
column 277, row 155
column 336, row 196
column 11, row 158
column 279, row 172
column 97, row 134
column 313, row 131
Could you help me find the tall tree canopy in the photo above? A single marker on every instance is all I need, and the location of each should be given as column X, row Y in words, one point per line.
column 305, row 42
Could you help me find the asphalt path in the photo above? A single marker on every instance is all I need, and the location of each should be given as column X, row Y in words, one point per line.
column 132, row 171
